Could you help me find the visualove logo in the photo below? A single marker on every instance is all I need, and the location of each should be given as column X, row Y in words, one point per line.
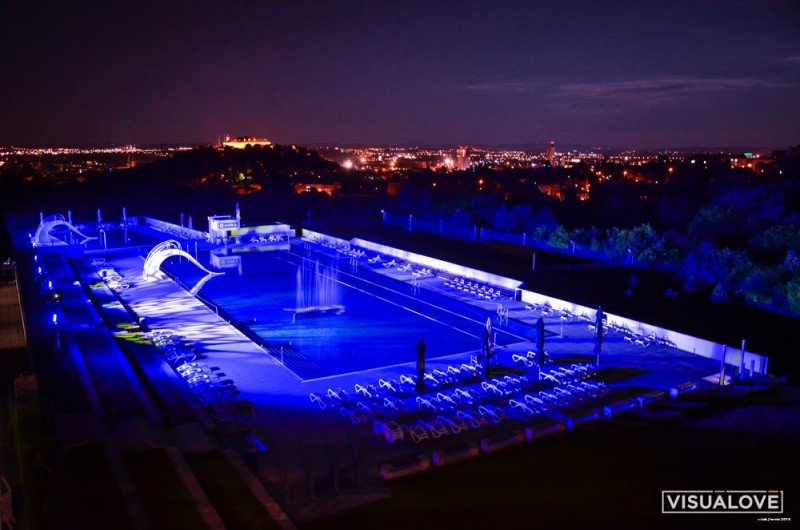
column 722, row 501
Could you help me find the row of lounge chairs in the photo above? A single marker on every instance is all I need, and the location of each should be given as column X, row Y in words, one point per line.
column 399, row 414
column 475, row 416
column 177, row 231
column 175, row 349
column 558, row 397
column 529, row 359
column 206, row 382
column 352, row 252
column 435, row 379
column 437, row 427
column 422, row 272
column 637, row 337
column 273, row 238
column 564, row 314
column 343, row 248
column 476, row 289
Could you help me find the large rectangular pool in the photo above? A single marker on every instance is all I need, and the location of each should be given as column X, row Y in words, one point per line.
column 380, row 326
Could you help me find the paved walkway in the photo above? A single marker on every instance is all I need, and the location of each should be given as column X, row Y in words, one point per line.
column 165, row 305
column 12, row 334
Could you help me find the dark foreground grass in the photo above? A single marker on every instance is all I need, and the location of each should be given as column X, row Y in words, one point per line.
column 97, row 502
column 607, row 476
column 232, row 499
column 166, row 500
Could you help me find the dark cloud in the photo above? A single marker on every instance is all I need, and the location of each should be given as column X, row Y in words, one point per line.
column 659, row 90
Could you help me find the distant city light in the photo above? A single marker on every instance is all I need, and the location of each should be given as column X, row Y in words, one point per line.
column 348, row 164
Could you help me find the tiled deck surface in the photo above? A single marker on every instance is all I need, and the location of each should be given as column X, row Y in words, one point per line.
column 261, row 378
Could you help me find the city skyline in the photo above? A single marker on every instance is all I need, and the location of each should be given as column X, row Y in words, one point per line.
column 406, row 74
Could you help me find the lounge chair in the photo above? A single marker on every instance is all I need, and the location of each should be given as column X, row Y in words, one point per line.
column 388, row 385
column 393, row 432
column 464, row 396
column 436, row 428
column 475, row 420
column 493, row 414
column 418, row 433
column 445, row 401
column 362, row 390
column 525, row 409
column 425, row 404
column 523, row 359
column 456, row 424
column 318, row 400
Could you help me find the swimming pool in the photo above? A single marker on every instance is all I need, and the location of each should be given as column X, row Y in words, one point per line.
column 380, row 326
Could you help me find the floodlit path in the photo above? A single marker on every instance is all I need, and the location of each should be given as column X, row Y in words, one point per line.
column 165, row 305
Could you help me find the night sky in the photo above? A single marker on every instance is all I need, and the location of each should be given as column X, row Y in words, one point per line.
column 635, row 74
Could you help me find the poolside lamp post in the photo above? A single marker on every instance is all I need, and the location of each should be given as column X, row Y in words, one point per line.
column 539, row 343
column 420, row 365
column 722, row 365
column 741, row 360
column 486, row 346
column 598, row 343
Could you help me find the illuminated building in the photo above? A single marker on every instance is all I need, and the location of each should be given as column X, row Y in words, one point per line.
column 221, row 226
column 303, row 187
column 554, row 190
column 240, row 142
column 752, row 162
column 551, row 153
column 462, row 158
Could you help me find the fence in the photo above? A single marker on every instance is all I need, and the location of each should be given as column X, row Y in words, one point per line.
column 438, row 227
column 472, row 232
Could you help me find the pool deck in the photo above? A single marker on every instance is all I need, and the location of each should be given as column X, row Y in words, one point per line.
column 264, row 380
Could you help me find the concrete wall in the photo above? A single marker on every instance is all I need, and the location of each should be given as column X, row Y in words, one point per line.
column 452, row 268
column 259, row 230
column 696, row 345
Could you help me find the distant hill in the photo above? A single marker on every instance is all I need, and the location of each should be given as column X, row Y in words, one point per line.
column 210, row 166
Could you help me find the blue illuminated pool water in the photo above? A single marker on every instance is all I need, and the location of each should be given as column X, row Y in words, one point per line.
column 380, row 326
